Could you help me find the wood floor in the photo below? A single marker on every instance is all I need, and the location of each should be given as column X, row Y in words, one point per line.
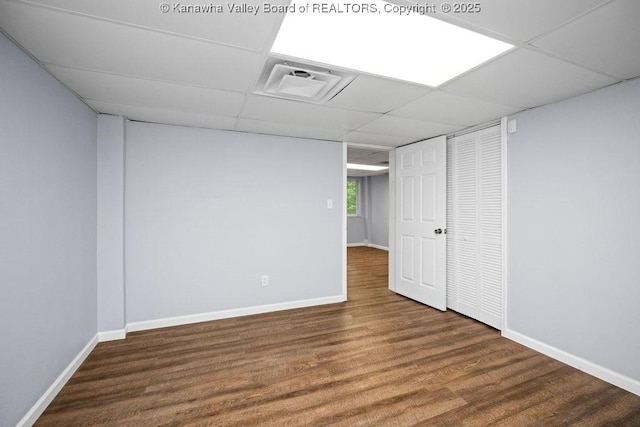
column 378, row 359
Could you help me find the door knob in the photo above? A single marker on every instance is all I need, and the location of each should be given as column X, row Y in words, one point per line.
column 438, row 231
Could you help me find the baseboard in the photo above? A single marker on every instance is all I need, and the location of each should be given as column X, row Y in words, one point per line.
column 579, row 363
column 367, row 245
column 383, row 248
column 119, row 334
column 225, row 314
column 39, row 407
column 116, row 334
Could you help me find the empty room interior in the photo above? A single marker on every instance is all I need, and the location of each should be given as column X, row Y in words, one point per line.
column 329, row 213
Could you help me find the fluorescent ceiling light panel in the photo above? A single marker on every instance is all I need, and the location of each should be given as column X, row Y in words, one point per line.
column 373, row 168
column 411, row 47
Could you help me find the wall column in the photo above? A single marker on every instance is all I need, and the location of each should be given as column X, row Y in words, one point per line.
column 110, row 238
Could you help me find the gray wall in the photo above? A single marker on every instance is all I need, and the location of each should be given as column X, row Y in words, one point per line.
column 47, row 230
column 379, row 210
column 110, row 250
column 574, row 230
column 208, row 212
column 356, row 230
column 372, row 224
column 357, row 225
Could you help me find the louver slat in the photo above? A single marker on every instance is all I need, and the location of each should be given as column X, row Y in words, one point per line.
column 475, row 225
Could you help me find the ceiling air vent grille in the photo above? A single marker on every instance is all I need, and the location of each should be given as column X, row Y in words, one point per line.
column 303, row 83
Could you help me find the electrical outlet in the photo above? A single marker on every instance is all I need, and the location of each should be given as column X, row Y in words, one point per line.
column 264, row 280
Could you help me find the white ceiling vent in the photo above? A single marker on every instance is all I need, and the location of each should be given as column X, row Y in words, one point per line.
column 298, row 82
column 301, row 82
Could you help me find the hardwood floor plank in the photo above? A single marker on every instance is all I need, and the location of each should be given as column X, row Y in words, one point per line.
column 378, row 359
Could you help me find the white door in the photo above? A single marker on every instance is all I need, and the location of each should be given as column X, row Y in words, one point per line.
column 420, row 219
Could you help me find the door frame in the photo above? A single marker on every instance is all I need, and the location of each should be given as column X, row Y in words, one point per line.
column 505, row 222
column 392, row 220
column 344, row 221
column 345, row 146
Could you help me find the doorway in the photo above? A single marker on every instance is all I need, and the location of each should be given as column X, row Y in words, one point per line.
column 367, row 195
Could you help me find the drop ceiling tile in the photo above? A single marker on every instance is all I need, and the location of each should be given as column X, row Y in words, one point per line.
column 225, row 27
column 407, row 128
column 377, row 139
column 133, row 91
column 276, row 110
column 80, row 42
column 521, row 20
column 606, row 40
column 354, row 154
column 376, row 95
column 169, row 117
column 288, row 129
column 440, row 106
column 527, row 79
column 379, row 158
column 358, row 173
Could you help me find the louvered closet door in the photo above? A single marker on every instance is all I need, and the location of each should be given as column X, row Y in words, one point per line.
column 475, row 225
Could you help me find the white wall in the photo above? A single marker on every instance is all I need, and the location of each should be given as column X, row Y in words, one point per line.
column 208, row 212
column 47, row 230
column 574, row 227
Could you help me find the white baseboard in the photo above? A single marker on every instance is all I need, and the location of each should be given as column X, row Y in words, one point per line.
column 383, row 248
column 116, row 334
column 583, row 365
column 39, row 407
column 225, row 314
column 367, row 245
